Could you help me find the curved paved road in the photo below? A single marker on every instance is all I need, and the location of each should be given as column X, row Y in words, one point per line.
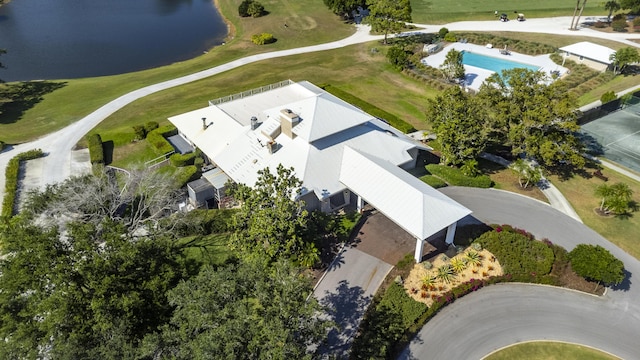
column 505, row 314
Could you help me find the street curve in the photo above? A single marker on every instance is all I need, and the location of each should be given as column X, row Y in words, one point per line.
column 505, row 314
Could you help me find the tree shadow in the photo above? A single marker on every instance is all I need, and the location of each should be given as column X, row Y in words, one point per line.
column 345, row 307
column 625, row 285
column 107, row 148
column 23, row 96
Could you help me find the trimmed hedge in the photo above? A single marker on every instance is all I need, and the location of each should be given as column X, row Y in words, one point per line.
column 499, row 42
column 180, row 160
column 396, row 299
column 157, row 138
column 186, row 174
column 1, row 145
column 455, row 177
column 433, row 181
column 96, row 151
column 370, row 109
column 519, row 253
column 11, row 179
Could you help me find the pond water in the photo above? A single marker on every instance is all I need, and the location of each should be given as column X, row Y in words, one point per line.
column 66, row 39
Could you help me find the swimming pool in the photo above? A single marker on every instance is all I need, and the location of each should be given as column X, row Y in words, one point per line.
column 493, row 63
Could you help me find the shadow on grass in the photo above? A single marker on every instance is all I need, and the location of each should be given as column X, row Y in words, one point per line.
column 107, row 148
column 625, row 285
column 22, row 97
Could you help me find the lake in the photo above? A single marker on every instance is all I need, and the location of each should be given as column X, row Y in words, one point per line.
column 67, row 39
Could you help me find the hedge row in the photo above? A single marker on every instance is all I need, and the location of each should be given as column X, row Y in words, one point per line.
column 157, row 138
column 96, row 150
column 186, row 174
column 433, row 181
column 180, row 160
column 518, row 252
column 11, row 179
column 499, row 42
column 455, row 177
column 371, row 109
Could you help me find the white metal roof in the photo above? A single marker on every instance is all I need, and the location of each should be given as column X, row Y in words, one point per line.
column 415, row 206
column 328, row 124
column 590, row 50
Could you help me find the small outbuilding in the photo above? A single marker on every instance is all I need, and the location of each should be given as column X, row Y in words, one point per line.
column 592, row 55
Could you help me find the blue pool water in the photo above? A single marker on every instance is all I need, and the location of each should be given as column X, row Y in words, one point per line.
column 492, row 63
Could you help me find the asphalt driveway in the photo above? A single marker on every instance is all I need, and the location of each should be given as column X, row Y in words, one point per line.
column 505, row 314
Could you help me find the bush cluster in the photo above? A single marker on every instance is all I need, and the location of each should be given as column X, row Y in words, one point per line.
column 262, row 39
column 141, row 131
column 12, row 172
column 157, row 138
column 370, row 109
column 619, row 25
column 455, row 177
column 250, row 8
column 180, row 160
column 96, row 150
column 1, row 145
column 519, row 253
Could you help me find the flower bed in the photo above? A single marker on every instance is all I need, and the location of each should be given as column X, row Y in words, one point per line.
column 464, row 272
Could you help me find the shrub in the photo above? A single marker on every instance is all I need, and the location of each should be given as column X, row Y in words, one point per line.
column 262, row 39
column 600, row 24
column 596, row 263
column 396, row 298
column 150, row 126
column 243, row 8
column 157, row 138
column 520, row 255
column 636, row 22
column 455, row 177
column 96, row 151
column 140, row 132
column 255, row 9
column 1, row 145
column 398, row 57
column 12, row 172
column 450, row 37
column 608, row 97
column 443, row 32
column 180, row 160
column 619, row 25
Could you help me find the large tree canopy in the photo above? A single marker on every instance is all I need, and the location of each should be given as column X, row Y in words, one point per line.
column 452, row 67
column 459, row 122
column 624, row 57
column 344, row 7
column 388, row 16
column 88, row 292
column 249, row 310
column 270, row 220
column 534, row 116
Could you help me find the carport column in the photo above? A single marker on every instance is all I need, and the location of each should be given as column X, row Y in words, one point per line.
column 451, row 232
column 419, row 247
column 359, row 204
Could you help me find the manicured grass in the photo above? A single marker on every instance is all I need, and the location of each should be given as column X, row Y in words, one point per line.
column 211, row 249
column 622, row 231
column 309, row 22
column 619, row 83
column 444, row 11
column 504, row 179
column 546, row 350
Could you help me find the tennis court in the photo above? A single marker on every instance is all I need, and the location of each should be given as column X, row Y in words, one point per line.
column 618, row 135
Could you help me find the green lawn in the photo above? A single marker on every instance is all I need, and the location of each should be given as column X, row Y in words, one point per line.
column 580, row 193
column 211, row 249
column 444, row 11
column 546, row 350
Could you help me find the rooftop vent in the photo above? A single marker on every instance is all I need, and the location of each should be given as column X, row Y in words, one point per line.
column 254, row 122
column 288, row 120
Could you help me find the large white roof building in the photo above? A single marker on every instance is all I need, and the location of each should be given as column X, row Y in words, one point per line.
column 342, row 154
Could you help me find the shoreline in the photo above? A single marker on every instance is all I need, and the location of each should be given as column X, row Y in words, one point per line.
column 231, row 29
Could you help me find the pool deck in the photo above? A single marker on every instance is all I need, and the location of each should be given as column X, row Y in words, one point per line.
column 475, row 76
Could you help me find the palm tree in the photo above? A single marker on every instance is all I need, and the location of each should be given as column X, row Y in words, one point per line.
column 575, row 11
column 445, row 273
column 458, row 264
column 473, row 258
column 584, row 2
column 611, row 5
column 604, row 191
